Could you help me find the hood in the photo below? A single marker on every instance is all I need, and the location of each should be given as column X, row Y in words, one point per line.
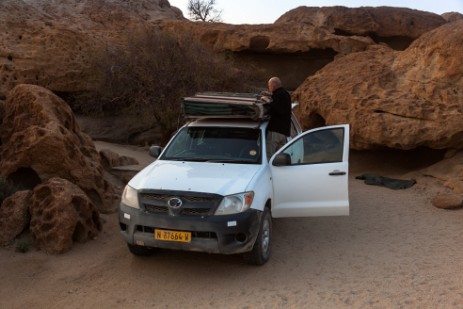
column 218, row 178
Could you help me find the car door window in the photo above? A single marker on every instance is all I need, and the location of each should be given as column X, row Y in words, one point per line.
column 323, row 146
column 310, row 174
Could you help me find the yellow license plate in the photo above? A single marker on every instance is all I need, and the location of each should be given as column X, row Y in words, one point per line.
column 172, row 235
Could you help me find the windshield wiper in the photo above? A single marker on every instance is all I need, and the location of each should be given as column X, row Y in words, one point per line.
column 232, row 161
column 188, row 159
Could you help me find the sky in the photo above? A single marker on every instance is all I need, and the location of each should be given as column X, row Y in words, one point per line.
column 267, row 11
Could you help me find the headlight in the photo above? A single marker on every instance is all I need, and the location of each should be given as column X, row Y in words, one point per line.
column 130, row 197
column 234, row 204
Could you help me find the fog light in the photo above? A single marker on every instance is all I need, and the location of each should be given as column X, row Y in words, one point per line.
column 241, row 237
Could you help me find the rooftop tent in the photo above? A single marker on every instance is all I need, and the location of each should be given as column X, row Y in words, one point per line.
column 224, row 105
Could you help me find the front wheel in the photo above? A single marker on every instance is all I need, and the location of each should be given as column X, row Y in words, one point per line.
column 140, row 250
column 260, row 253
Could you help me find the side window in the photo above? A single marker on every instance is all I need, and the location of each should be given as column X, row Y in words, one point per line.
column 324, row 146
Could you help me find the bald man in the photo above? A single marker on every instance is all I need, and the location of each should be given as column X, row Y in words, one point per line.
column 279, row 126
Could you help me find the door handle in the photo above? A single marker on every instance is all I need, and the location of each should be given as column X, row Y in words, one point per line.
column 337, row 173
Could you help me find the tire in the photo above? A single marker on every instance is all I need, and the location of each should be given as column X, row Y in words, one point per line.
column 140, row 250
column 260, row 253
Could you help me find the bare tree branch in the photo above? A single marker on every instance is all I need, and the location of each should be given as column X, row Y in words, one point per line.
column 200, row 10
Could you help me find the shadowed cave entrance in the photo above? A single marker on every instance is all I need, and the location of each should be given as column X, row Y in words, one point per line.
column 394, row 161
column 24, row 178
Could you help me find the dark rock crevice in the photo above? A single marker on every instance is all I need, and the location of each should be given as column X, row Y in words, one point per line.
column 396, row 42
column 292, row 68
column 394, row 160
column 24, row 178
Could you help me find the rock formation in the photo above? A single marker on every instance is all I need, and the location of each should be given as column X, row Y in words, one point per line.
column 53, row 45
column 51, row 42
column 401, row 100
column 57, row 46
column 452, row 16
column 305, row 39
column 14, row 216
column 111, row 159
column 393, row 26
column 41, row 140
column 56, row 212
column 449, row 171
column 61, row 213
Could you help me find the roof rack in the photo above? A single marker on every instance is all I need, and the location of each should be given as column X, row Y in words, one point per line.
column 224, row 105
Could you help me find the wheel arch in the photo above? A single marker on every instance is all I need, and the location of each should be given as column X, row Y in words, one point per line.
column 268, row 205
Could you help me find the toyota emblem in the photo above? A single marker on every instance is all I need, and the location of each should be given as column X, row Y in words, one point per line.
column 174, row 202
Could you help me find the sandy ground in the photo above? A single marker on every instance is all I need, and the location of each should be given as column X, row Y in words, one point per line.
column 395, row 250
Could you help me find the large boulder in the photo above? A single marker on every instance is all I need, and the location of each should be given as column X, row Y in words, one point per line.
column 41, row 140
column 61, row 213
column 401, row 100
column 452, row 16
column 387, row 24
column 449, row 171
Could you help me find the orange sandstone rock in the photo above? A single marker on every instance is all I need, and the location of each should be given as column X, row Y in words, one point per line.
column 41, row 140
column 61, row 213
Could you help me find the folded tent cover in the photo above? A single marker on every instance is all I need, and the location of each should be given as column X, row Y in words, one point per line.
column 224, row 105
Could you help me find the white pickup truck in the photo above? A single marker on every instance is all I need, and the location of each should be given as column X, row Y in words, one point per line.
column 213, row 189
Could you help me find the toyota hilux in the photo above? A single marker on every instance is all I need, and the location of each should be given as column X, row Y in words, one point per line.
column 213, row 189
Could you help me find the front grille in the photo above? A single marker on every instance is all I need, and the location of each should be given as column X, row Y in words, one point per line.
column 156, row 209
column 193, row 203
column 185, row 198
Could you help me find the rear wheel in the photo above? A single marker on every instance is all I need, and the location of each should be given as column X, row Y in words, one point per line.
column 140, row 250
column 260, row 253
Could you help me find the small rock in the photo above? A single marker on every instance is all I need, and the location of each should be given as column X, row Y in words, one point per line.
column 448, row 201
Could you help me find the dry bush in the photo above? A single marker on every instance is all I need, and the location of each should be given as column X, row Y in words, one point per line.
column 146, row 77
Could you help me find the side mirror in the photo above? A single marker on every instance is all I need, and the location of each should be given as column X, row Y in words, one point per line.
column 282, row 159
column 155, row 151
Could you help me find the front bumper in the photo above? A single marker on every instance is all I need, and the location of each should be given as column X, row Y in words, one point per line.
column 228, row 234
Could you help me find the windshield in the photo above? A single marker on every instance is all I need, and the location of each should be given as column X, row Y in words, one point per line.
column 214, row 144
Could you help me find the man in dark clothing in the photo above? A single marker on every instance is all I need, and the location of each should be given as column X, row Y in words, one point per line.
column 279, row 126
